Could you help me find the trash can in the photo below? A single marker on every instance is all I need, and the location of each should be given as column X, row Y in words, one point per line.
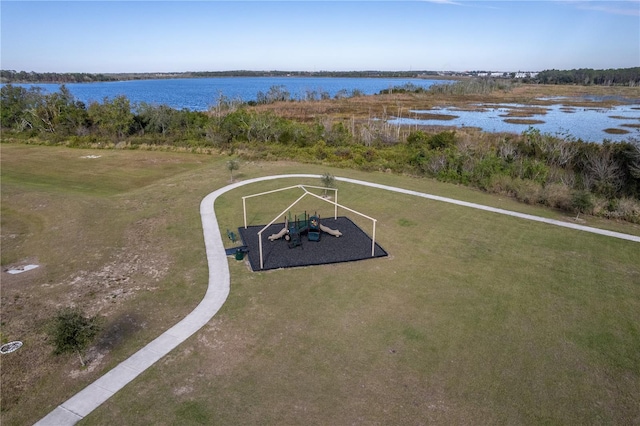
column 239, row 254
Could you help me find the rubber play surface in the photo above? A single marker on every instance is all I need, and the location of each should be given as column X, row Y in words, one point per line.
column 354, row 244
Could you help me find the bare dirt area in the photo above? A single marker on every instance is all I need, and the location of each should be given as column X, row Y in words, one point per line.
column 105, row 287
column 113, row 257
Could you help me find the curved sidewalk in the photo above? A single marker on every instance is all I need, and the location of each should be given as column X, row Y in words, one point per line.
column 84, row 402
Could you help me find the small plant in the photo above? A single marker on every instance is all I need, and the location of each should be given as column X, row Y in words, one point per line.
column 327, row 180
column 71, row 331
column 581, row 202
column 232, row 165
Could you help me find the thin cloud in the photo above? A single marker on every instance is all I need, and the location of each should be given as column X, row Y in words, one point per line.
column 619, row 7
column 629, row 11
column 467, row 3
column 443, row 2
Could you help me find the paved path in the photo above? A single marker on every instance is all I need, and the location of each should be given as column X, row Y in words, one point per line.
column 84, row 402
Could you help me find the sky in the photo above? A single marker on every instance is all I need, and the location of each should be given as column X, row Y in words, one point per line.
column 435, row 35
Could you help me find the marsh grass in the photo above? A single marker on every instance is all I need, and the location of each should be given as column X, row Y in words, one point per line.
column 523, row 121
column 365, row 107
column 430, row 116
column 616, row 131
column 473, row 316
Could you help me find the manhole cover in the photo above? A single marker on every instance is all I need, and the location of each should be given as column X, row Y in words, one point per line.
column 10, row 347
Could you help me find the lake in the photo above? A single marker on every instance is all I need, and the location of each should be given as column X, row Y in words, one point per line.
column 199, row 94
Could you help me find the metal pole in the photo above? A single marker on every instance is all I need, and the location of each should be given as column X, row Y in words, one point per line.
column 373, row 241
column 260, row 240
column 244, row 209
column 335, row 212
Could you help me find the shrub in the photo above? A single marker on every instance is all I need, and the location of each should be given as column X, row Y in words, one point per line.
column 417, row 138
column 442, row 140
column 623, row 209
column 484, row 169
column 500, row 184
column 582, row 202
column 557, row 195
column 71, row 331
column 527, row 191
column 629, row 209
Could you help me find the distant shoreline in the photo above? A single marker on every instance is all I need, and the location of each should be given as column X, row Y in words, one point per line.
column 23, row 77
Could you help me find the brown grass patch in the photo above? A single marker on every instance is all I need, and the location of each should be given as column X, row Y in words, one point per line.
column 614, row 131
column 524, row 112
column 522, row 121
column 443, row 117
column 622, row 117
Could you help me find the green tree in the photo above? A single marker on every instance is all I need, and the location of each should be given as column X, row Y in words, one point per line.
column 581, row 202
column 71, row 331
column 328, row 181
column 157, row 118
column 70, row 115
column 232, row 165
column 59, row 113
column 16, row 104
column 114, row 117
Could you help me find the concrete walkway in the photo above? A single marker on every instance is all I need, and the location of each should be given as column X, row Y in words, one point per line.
column 84, row 402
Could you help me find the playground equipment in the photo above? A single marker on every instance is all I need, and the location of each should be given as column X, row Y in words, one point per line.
column 295, row 227
column 320, row 227
column 283, row 232
column 330, row 231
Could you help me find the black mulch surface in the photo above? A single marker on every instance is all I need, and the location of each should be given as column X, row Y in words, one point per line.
column 354, row 244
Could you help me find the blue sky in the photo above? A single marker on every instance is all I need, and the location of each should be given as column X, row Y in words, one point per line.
column 457, row 35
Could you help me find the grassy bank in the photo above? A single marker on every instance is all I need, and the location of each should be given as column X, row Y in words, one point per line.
column 473, row 316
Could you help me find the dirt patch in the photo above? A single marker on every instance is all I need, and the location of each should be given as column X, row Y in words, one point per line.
column 30, row 299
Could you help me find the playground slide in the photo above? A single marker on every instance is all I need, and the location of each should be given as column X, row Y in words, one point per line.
column 330, row 231
column 279, row 235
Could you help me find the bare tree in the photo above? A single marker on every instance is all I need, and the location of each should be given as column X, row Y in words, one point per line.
column 437, row 163
column 634, row 166
column 604, row 171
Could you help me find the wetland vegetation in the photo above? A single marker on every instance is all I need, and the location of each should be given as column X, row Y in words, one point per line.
column 359, row 132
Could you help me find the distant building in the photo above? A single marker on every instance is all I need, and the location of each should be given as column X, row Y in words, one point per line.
column 521, row 74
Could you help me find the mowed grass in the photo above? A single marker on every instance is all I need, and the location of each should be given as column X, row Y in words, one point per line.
column 473, row 318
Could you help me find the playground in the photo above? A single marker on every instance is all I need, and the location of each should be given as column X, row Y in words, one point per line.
column 305, row 239
column 354, row 244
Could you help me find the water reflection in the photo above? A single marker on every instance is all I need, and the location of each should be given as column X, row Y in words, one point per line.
column 588, row 124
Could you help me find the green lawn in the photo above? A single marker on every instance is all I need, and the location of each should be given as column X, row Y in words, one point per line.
column 473, row 318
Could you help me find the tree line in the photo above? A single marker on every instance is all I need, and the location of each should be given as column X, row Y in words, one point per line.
column 556, row 170
column 583, row 76
column 587, row 76
column 12, row 76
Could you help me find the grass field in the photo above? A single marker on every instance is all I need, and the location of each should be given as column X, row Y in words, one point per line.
column 473, row 318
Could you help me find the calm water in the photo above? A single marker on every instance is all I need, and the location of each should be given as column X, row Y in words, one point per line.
column 198, row 94
column 587, row 124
